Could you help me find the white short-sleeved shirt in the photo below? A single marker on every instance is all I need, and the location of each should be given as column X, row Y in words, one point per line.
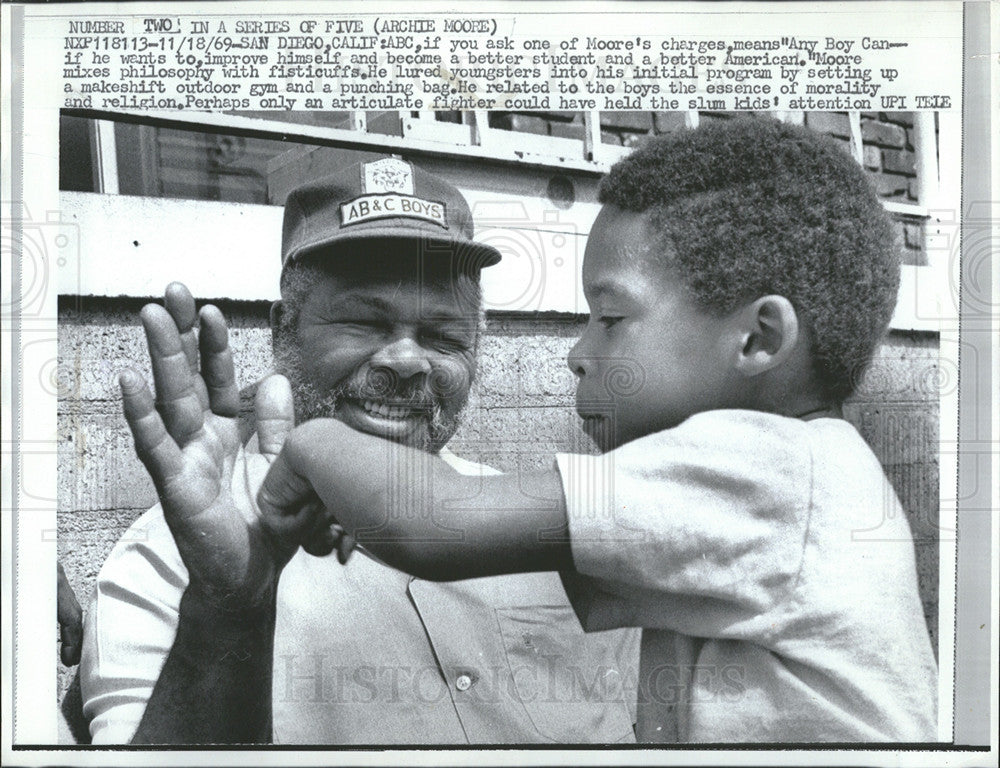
column 772, row 568
column 366, row 654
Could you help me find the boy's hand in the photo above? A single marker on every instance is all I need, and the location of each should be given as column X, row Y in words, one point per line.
column 188, row 441
column 344, row 465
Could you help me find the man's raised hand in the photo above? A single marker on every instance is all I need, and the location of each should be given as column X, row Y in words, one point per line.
column 188, row 440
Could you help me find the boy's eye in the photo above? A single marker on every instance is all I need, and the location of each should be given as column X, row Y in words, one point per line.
column 609, row 320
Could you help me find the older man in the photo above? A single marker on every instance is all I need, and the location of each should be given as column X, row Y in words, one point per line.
column 192, row 639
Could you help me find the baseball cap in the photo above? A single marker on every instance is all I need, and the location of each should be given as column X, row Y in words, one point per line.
column 387, row 198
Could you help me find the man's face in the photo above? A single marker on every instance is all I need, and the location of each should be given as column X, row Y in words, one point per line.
column 649, row 357
column 389, row 353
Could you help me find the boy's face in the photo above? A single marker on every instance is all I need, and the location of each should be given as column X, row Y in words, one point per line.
column 649, row 357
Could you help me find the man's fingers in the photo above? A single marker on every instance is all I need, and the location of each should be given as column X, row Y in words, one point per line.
column 217, row 364
column 176, row 396
column 67, row 606
column 70, row 617
column 275, row 414
column 71, row 643
column 154, row 445
column 180, row 304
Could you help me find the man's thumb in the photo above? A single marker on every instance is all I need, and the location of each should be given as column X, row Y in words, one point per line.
column 275, row 414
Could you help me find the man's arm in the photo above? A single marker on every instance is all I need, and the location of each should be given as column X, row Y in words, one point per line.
column 215, row 683
column 446, row 526
column 215, row 686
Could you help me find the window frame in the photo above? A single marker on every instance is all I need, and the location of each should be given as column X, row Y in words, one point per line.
column 921, row 307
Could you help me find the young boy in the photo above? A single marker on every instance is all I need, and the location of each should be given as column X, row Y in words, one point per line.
column 739, row 278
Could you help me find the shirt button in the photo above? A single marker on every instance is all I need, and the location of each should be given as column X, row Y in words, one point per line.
column 463, row 682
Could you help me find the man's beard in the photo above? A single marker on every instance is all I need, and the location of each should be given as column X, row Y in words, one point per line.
column 311, row 402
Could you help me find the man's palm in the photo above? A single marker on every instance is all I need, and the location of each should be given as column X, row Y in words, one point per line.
column 189, row 442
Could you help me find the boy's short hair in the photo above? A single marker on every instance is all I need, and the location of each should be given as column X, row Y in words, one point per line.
column 753, row 206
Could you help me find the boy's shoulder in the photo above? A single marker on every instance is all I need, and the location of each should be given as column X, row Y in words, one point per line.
column 750, row 431
column 794, row 461
column 822, row 464
column 820, row 445
column 728, row 420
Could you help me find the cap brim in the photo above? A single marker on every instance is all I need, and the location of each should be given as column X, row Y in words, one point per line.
column 474, row 256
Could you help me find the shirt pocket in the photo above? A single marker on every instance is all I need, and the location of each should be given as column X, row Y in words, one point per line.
column 568, row 682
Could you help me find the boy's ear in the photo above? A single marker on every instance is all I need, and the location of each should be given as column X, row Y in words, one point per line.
column 770, row 331
column 277, row 310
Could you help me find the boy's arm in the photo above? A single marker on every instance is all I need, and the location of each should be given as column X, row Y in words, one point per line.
column 412, row 510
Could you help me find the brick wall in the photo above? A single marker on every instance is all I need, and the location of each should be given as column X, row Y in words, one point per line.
column 520, row 413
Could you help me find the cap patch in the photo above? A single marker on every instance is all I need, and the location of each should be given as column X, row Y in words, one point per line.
column 394, row 206
column 388, row 175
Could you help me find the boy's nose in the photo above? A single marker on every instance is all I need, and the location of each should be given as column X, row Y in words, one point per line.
column 404, row 357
